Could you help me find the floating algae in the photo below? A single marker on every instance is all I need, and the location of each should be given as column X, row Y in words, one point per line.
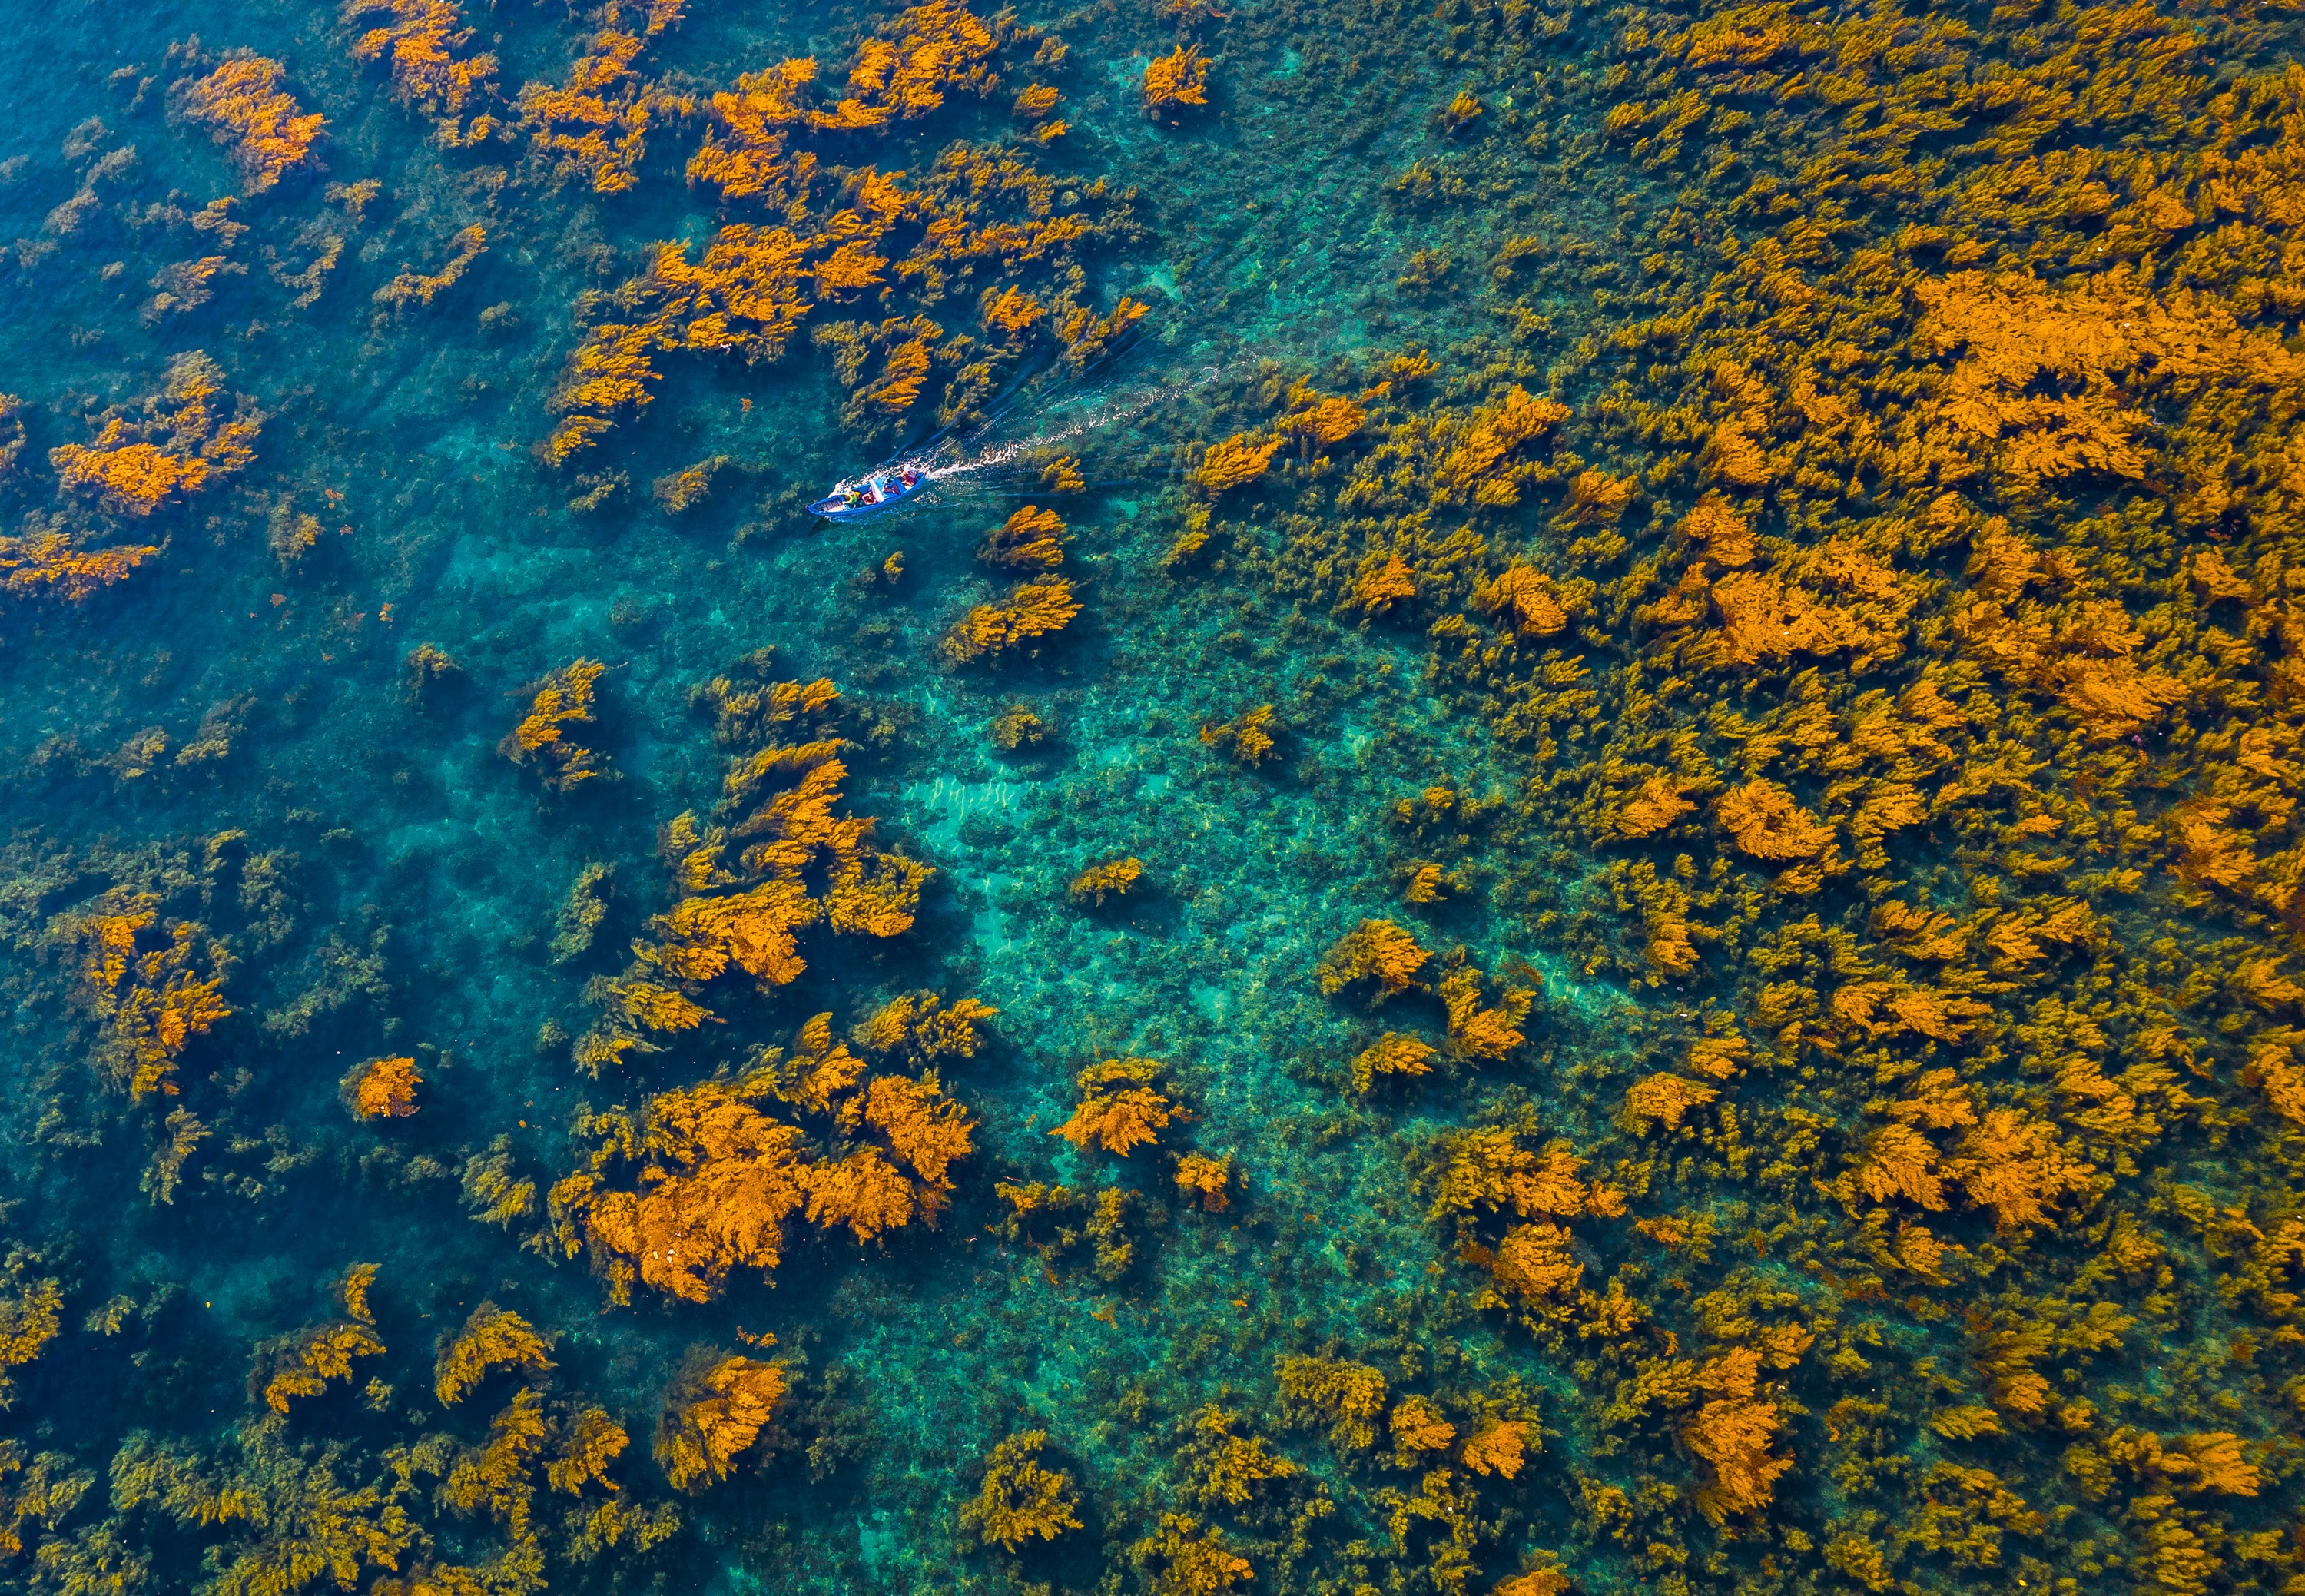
column 1602, row 894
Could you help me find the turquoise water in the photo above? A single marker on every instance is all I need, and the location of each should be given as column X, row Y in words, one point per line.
column 413, row 876
column 237, row 736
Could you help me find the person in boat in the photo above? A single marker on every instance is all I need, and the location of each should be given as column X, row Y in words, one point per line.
column 873, row 492
column 891, row 486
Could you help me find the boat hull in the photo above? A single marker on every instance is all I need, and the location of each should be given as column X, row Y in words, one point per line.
column 833, row 507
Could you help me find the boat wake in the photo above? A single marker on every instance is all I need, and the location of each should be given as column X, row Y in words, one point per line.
column 1030, row 440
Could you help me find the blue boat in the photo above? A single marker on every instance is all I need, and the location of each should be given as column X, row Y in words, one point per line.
column 871, row 493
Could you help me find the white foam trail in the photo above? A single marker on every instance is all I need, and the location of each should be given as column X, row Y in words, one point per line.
column 1105, row 411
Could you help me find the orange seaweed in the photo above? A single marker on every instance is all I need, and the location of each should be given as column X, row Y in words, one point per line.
column 242, row 103
column 384, row 1087
column 1179, row 78
column 411, row 287
column 140, row 977
column 1119, row 1108
column 1115, row 878
column 1392, row 1053
column 1033, row 610
column 136, row 475
column 561, row 700
column 1020, row 1500
column 1247, row 737
column 1235, row 461
column 47, row 563
column 595, row 127
column 1209, row 1180
column 1030, row 539
column 1376, row 951
column 421, row 41
column 713, row 1414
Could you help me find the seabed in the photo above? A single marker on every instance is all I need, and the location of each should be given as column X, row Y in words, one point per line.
column 1615, row 908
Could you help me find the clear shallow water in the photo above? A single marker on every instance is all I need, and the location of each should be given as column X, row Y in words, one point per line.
column 419, row 875
column 235, row 735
